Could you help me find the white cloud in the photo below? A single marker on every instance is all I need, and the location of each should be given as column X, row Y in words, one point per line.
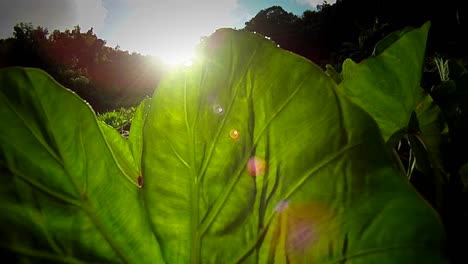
column 314, row 3
column 52, row 14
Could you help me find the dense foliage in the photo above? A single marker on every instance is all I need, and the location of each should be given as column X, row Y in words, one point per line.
column 108, row 78
column 234, row 159
column 351, row 28
column 119, row 119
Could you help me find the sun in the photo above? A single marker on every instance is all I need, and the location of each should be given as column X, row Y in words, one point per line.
column 174, row 44
column 174, row 57
column 174, row 49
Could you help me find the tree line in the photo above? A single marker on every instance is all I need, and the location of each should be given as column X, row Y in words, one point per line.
column 106, row 77
column 351, row 28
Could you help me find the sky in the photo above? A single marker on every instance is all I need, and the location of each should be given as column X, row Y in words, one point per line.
column 166, row 29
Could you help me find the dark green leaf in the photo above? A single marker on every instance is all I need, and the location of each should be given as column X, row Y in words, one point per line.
column 389, row 40
column 333, row 74
column 387, row 85
column 426, row 143
column 431, row 127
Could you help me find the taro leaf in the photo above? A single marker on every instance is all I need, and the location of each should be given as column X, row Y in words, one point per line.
column 251, row 156
column 135, row 138
column 418, row 150
column 63, row 195
column 243, row 162
column 330, row 71
column 424, row 132
column 389, row 40
column 121, row 151
column 431, row 127
column 425, row 141
column 128, row 152
column 387, row 85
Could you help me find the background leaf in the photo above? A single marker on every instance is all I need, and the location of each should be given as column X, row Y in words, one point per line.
column 135, row 139
column 387, row 85
column 431, row 128
column 121, row 151
column 389, row 40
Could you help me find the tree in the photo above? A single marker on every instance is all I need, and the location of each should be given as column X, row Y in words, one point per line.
column 107, row 78
column 277, row 24
column 27, row 47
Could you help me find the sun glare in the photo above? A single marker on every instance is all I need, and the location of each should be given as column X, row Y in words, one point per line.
column 177, row 49
column 176, row 57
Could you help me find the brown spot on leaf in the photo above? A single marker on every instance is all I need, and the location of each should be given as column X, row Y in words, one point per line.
column 140, row 181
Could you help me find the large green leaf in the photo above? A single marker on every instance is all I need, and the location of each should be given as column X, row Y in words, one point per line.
column 63, row 195
column 387, row 86
column 248, row 156
column 328, row 192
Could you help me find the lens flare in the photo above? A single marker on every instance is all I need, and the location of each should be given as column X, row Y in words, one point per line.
column 256, row 166
column 281, row 206
column 234, row 134
column 218, row 109
column 301, row 225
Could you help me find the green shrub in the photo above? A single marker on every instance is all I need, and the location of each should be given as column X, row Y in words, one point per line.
column 119, row 119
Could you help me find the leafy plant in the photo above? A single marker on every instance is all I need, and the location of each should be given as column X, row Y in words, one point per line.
column 235, row 159
column 442, row 67
column 119, row 119
column 403, row 110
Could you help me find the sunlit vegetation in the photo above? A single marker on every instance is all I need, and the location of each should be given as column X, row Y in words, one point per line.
column 215, row 135
column 120, row 119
